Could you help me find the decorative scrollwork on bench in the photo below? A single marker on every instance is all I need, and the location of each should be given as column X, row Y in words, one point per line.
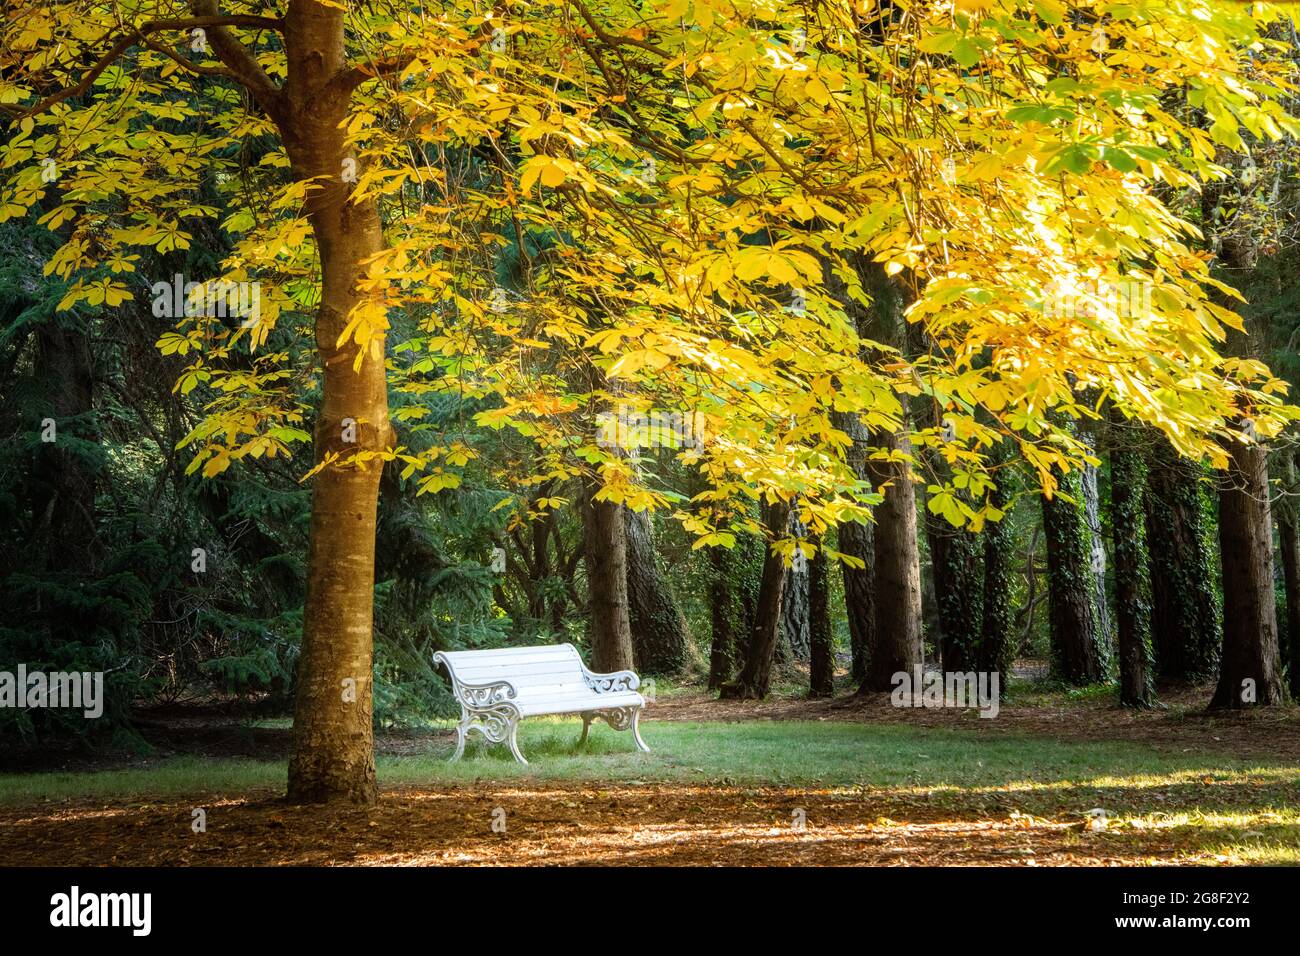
column 494, row 723
column 486, row 695
column 620, row 718
column 611, row 683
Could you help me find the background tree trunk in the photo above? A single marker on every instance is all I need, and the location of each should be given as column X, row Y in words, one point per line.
column 796, row 624
column 821, row 671
column 1077, row 656
column 955, row 557
column 898, row 644
column 856, row 540
column 725, row 615
column 755, row 677
column 734, row 586
column 1132, row 605
column 605, row 553
column 661, row 640
column 1250, row 666
column 859, row 596
column 1097, row 557
column 996, row 647
column 1250, row 649
column 1288, row 533
column 1184, row 625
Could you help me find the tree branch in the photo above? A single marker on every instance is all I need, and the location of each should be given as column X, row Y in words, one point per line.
column 240, row 61
column 141, row 34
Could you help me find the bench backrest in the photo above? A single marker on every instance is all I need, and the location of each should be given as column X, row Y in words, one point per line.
column 534, row 671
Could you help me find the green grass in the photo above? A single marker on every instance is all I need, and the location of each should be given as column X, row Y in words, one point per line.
column 821, row 755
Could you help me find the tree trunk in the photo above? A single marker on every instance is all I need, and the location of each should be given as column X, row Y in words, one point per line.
column 333, row 746
column 821, row 682
column 661, row 640
column 1250, row 668
column 755, row 677
column 996, row 649
column 859, row 596
column 605, row 553
column 1077, row 656
column 1132, row 605
column 725, row 616
column 1288, row 533
column 955, row 556
column 898, row 644
column 796, row 626
column 856, row 540
column 736, row 574
column 1097, row 557
column 1184, row 628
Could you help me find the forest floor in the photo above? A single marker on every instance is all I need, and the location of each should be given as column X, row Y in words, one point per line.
column 786, row 781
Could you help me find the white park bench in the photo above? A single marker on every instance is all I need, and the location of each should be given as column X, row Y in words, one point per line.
column 497, row 688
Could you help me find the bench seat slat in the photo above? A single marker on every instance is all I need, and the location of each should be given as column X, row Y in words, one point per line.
column 577, row 703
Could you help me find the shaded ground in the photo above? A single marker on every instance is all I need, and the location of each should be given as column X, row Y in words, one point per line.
column 617, row 826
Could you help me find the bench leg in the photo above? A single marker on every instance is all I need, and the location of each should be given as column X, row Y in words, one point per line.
column 636, row 731
column 587, row 718
column 497, row 724
column 625, row 718
column 462, row 731
column 514, row 742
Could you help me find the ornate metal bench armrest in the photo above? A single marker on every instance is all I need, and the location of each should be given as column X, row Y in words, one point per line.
column 485, row 695
column 478, row 695
column 611, row 683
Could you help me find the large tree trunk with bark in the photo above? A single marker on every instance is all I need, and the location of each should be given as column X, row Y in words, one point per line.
column 1132, row 604
column 821, row 670
column 605, row 553
column 755, row 677
column 661, row 640
column 1249, row 669
column 1184, row 626
column 333, row 747
column 1077, row 653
